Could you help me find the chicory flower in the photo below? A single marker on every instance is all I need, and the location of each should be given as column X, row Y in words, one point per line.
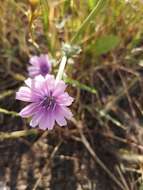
column 40, row 65
column 48, row 101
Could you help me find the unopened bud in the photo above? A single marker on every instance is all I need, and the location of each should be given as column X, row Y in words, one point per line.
column 33, row 3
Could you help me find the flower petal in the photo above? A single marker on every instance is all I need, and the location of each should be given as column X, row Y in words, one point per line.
column 66, row 112
column 44, row 58
column 64, row 99
column 38, row 85
column 60, row 120
column 29, row 82
column 33, row 68
column 24, row 94
column 62, row 112
column 33, row 71
column 39, row 80
column 49, row 77
column 29, row 110
column 34, row 60
column 60, row 88
column 36, row 119
column 39, row 65
column 36, row 93
column 49, row 84
column 47, row 121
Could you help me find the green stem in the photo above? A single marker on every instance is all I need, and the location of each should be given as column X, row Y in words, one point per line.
column 18, row 134
column 92, row 14
column 7, row 112
column 79, row 85
column 6, row 93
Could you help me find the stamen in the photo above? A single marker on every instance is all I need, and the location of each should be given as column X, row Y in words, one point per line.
column 48, row 102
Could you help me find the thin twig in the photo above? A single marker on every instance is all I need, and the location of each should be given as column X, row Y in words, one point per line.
column 122, row 177
column 94, row 156
column 120, row 95
column 125, row 141
column 47, row 165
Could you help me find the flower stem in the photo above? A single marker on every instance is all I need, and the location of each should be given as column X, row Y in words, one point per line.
column 7, row 112
column 92, row 14
column 61, row 68
column 18, row 134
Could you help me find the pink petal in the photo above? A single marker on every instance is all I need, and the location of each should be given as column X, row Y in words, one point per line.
column 64, row 99
column 60, row 120
column 44, row 59
column 36, row 119
column 61, row 113
column 33, row 73
column 34, row 60
column 29, row 110
column 49, row 84
column 29, row 82
column 60, row 88
column 38, row 84
column 39, row 78
column 47, row 121
column 39, row 81
column 35, row 92
column 33, row 68
column 66, row 112
column 49, row 77
column 24, row 94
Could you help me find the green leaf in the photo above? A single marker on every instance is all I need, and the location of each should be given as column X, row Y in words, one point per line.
column 45, row 14
column 105, row 44
column 80, row 85
column 92, row 3
column 85, row 23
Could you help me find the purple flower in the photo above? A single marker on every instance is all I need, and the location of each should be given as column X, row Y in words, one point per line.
column 39, row 66
column 48, row 101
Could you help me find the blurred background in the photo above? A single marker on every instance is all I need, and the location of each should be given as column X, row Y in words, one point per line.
column 102, row 147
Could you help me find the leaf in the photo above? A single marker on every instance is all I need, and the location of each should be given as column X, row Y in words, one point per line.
column 92, row 3
column 80, row 85
column 105, row 44
column 45, row 14
column 85, row 23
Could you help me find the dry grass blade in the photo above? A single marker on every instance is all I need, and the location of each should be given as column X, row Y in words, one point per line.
column 94, row 156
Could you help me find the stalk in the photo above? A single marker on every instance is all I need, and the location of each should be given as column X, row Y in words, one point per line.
column 92, row 14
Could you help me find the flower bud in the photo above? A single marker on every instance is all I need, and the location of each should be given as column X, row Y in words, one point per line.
column 33, row 3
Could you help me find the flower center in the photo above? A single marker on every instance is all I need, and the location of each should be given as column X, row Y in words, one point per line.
column 48, row 102
column 44, row 69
